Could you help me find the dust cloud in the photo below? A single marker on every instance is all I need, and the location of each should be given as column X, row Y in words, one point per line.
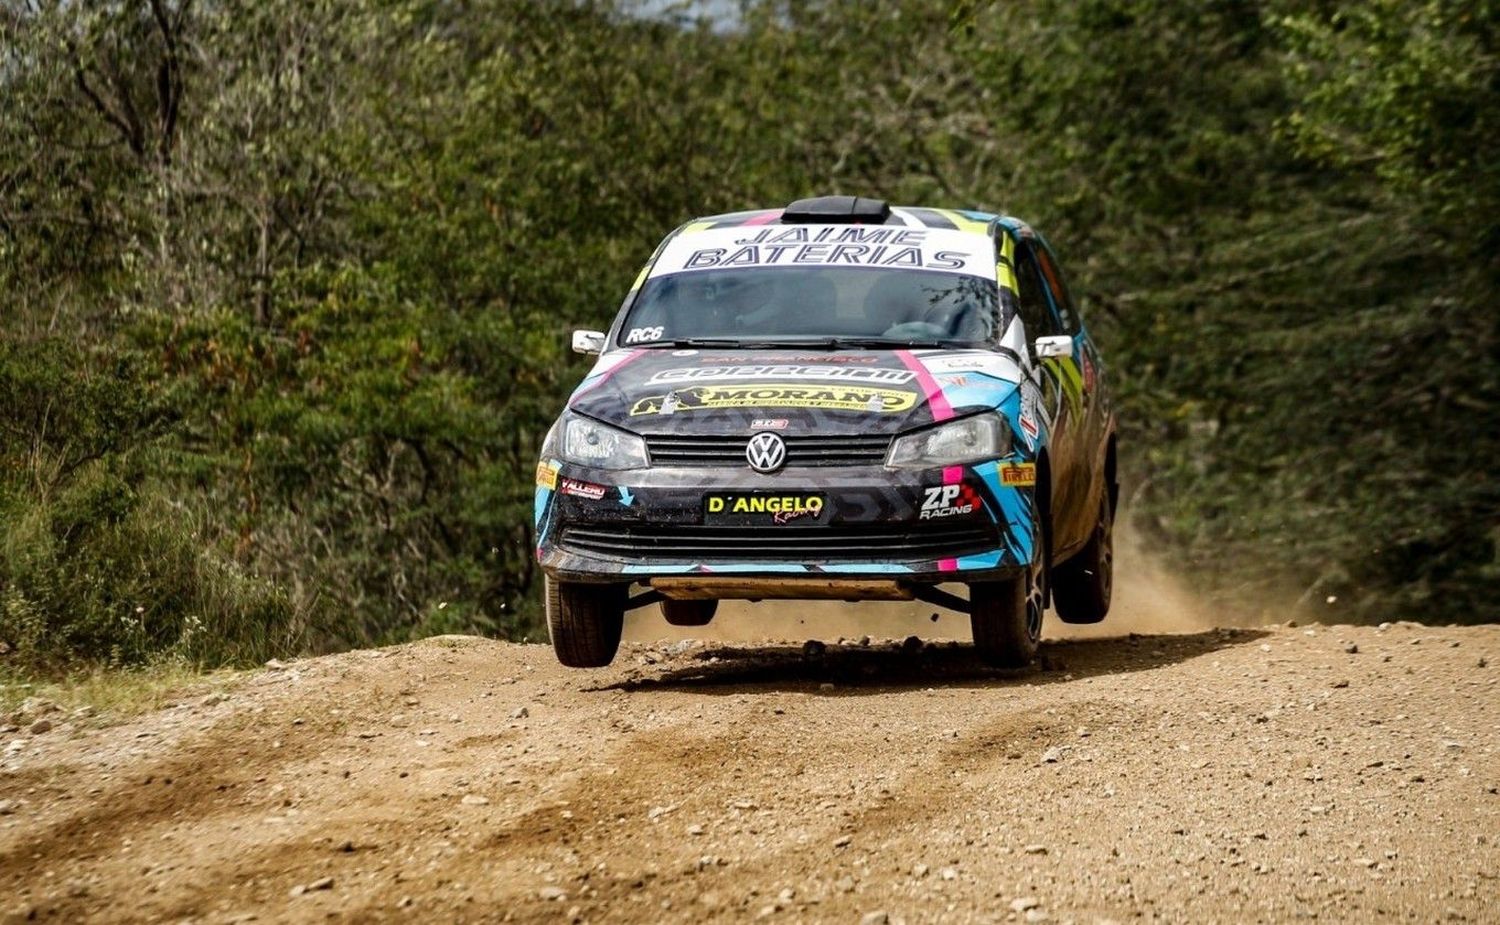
column 1148, row 600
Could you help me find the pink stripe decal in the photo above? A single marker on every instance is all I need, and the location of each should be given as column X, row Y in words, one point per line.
column 765, row 218
column 952, row 475
column 947, row 565
column 936, row 401
column 603, row 377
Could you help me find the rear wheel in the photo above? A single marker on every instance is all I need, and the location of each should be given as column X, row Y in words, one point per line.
column 585, row 621
column 688, row 613
column 1006, row 617
column 1085, row 583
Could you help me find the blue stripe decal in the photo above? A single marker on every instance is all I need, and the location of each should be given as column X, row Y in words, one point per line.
column 740, row 567
column 1015, row 505
column 986, row 392
column 781, row 568
column 982, row 560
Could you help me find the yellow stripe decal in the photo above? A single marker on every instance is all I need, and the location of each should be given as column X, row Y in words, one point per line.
column 1005, row 268
column 1071, row 378
column 963, row 222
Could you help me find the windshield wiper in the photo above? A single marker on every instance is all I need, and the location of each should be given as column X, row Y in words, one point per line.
column 693, row 342
column 892, row 343
column 742, row 344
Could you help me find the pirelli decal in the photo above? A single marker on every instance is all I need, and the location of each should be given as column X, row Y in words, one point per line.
column 1018, row 475
column 778, row 395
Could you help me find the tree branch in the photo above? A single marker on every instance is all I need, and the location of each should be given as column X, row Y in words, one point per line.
column 168, row 77
column 81, row 79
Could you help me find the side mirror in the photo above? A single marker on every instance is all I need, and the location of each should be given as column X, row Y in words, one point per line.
column 1053, row 345
column 588, row 341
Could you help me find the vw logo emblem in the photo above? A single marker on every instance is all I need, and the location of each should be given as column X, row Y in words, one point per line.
column 766, row 452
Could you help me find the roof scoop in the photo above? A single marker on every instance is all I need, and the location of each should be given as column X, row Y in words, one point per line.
column 834, row 210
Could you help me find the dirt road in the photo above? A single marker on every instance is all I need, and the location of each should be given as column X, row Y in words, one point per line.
column 1228, row 775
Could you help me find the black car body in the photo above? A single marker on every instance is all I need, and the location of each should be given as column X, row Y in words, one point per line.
column 834, row 400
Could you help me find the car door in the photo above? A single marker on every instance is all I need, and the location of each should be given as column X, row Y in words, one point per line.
column 1094, row 422
column 1060, row 400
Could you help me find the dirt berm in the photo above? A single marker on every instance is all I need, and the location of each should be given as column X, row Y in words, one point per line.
column 1227, row 775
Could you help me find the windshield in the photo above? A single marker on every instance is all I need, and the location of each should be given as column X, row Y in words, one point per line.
column 797, row 305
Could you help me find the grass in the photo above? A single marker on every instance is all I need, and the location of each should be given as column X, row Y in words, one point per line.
column 113, row 693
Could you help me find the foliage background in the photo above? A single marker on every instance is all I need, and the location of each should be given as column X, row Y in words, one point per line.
column 285, row 284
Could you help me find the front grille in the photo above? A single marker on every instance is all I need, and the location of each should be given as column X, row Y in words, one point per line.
column 834, row 542
column 855, row 450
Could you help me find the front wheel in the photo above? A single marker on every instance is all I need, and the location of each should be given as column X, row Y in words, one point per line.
column 585, row 621
column 1085, row 583
column 1006, row 617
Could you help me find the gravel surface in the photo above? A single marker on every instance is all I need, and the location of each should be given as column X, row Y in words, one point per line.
column 1337, row 773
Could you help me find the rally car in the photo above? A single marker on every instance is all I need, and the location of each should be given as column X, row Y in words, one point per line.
column 838, row 399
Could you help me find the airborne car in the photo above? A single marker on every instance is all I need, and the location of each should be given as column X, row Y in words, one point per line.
column 841, row 400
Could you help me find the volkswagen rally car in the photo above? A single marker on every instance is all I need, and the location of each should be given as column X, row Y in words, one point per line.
column 841, row 400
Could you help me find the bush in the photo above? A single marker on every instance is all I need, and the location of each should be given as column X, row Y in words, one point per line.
column 107, row 571
column 98, row 560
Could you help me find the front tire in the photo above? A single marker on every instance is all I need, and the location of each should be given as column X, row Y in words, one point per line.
column 1085, row 583
column 688, row 613
column 1006, row 617
column 585, row 621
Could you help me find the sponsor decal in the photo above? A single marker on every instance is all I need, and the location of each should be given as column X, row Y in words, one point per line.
column 546, row 475
column 769, row 424
column 832, row 373
column 856, row 254
column 1027, row 418
column 626, row 498
column 780, row 395
column 644, row 335
column 935, row 249
column 969, row 367
column 948, row 501
column 764, row 504
column 987, row 363
column 833, row 235
column 582, row 489
column 1018, row 475
column 762, row 508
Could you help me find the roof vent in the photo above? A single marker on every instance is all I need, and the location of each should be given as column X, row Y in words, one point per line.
column 831, row 210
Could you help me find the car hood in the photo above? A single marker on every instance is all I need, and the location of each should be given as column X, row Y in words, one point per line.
column 659, row 391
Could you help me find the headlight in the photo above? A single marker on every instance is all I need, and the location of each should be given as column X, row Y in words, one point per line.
column 972, row 439
column 589, row 443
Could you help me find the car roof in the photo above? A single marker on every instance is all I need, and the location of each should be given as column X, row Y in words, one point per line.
column 814, row 210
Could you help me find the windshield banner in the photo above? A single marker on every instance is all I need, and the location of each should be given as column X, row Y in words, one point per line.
column 876, row 246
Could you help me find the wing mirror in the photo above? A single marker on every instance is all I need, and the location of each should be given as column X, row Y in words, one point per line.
column 588, row 341
column 1053, row 345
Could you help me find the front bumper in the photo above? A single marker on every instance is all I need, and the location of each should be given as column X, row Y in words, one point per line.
column 881, row 528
